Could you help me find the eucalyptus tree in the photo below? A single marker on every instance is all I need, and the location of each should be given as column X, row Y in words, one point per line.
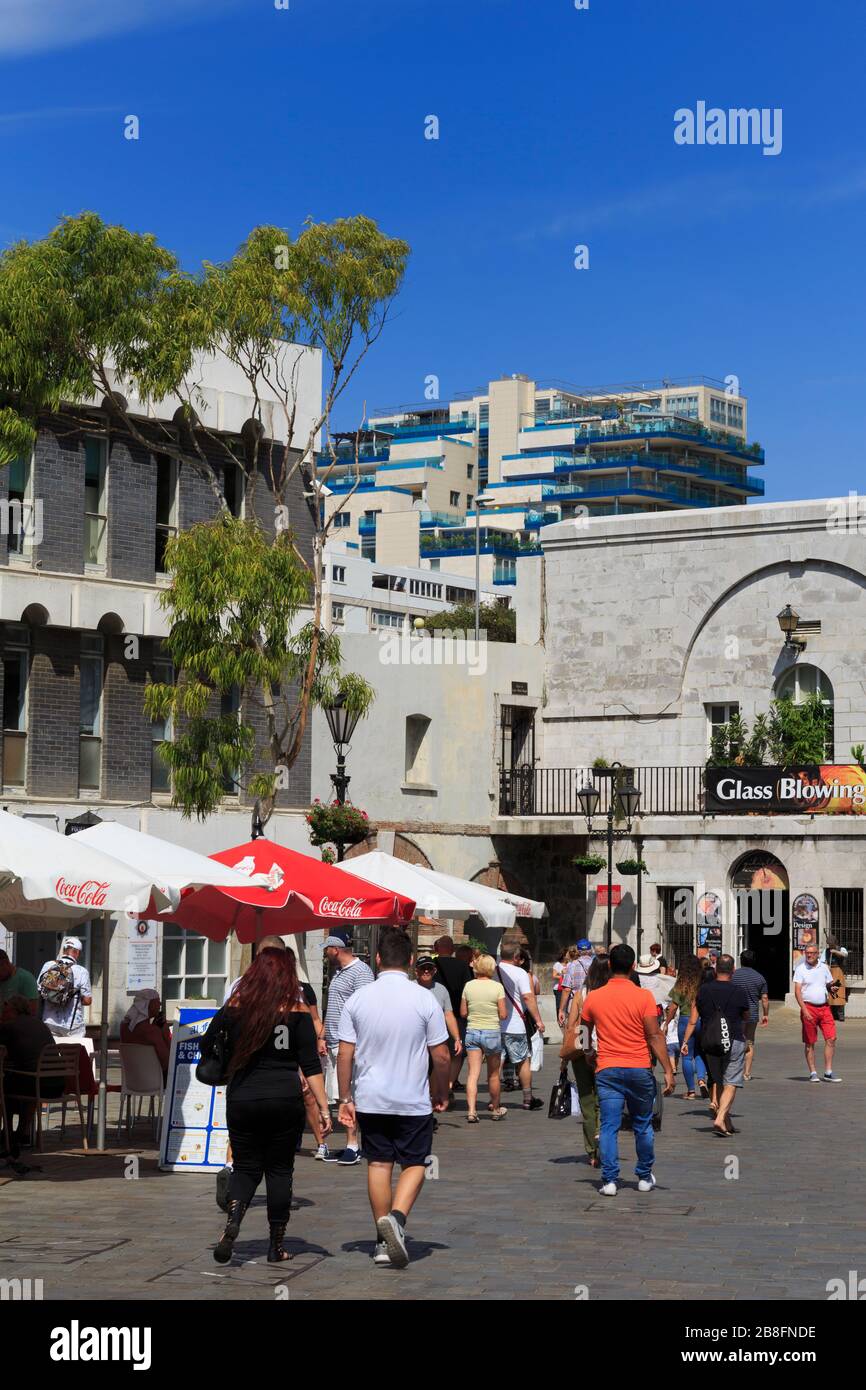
column 97, row 323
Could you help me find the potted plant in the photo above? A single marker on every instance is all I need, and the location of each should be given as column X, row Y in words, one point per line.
column 334, row 824
column 630, row 867
column 589, row 863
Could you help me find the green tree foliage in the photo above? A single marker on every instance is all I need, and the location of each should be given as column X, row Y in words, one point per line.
column 788, row 734
column 104, row 322
column 499, row 623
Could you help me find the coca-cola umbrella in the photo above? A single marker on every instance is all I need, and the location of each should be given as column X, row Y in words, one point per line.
column 303, row 894
column 49, row 880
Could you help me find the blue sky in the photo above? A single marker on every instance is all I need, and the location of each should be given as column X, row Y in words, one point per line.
column 556, row 128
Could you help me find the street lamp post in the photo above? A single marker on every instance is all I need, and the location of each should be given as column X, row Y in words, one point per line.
column 342, row 723
column 629, row 798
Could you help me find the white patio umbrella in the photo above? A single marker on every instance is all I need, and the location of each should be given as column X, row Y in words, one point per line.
column 46, row 878
column 524, row 907
column 496, row 909
column 440, row 895
column 399, row 877
column 49, row 880
column 173, row 867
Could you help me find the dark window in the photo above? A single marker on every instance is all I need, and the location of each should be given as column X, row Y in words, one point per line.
column 677, row 923
column 845, row 912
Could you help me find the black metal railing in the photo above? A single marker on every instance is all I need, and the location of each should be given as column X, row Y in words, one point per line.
column 553, row 791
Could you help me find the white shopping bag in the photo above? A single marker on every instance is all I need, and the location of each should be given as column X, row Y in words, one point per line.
column 537, row 1051
column 575, row 1102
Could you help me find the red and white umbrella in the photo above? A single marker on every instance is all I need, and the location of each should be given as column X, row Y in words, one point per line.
column 303, row 894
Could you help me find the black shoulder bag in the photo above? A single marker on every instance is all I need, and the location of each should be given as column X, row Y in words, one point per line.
column 213, row 1065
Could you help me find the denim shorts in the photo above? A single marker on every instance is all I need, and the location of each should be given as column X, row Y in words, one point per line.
column 486, row 1040
column 516, row 1047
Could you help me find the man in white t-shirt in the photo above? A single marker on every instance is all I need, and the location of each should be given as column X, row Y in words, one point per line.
column 814, row 987
column 67, row 1020
column 521, row 1001
column 389, row 1033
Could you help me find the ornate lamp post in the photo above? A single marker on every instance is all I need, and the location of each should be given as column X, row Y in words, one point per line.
column 629, row 799
column 342, row 723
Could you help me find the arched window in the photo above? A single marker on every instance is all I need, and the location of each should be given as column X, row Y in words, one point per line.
column 799, row 684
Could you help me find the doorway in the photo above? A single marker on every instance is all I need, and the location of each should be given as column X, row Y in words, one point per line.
column 761, row 893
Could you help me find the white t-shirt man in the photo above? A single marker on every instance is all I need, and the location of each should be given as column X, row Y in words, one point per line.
column 815, row 980
column 67, row 1020
column 392, row 1023
column 516, row 983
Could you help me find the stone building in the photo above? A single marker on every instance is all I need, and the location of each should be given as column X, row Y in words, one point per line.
column 658, row 627
column 81, row 631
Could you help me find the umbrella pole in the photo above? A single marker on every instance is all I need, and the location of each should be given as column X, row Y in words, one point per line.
column 101, row 1122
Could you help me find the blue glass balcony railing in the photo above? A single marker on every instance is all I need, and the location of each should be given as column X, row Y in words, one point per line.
column 665, row 425
column 367, row 526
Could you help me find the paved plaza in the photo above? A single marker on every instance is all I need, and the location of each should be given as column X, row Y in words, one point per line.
column 513, row 1210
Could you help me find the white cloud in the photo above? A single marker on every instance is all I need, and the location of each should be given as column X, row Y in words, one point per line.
column 30, row 26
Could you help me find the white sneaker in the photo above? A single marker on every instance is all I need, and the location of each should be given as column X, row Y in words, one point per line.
column 380, row 1254
column 647, row 1184
column 815, row 1077
column 608, row 1189
column 391, row 1235
column 322, row 1152
column 828, row 1076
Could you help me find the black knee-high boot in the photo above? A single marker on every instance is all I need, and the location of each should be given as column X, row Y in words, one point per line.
column 223, row 1250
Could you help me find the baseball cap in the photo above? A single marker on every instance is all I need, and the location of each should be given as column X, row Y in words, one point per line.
column 71, row 943
column 584, row 944
column 425, row 962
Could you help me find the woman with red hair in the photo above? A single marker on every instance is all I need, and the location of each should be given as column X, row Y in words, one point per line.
column 270, row 1037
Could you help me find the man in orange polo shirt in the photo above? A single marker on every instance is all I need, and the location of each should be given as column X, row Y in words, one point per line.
column 625, row 1019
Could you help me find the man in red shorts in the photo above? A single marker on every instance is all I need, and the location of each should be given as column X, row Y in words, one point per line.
column 813, row 985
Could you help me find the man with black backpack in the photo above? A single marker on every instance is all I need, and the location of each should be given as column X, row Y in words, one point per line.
column 723, row 1008
column 65, row 990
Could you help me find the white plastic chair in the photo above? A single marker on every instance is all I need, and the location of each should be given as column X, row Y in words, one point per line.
column 141, row 1078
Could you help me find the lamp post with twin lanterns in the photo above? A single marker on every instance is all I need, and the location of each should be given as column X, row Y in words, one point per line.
column 342, row 723
column 629, row 798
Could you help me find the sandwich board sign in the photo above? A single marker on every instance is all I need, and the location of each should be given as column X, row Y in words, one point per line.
column 194, row 1130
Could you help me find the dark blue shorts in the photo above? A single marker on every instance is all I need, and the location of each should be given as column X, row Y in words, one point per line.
column 403, row 1139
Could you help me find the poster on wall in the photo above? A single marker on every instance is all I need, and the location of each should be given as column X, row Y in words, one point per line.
column 141, row 955
column 804, row 916
column 708, row 916
column 194, row 1131
column 826, row 789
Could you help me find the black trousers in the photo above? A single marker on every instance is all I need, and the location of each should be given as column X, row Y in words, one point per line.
column 264, row 1136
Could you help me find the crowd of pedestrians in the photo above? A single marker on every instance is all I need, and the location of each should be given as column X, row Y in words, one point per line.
column 393, row 1044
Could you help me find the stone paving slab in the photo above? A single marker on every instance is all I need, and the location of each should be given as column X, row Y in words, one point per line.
column 514, row 1213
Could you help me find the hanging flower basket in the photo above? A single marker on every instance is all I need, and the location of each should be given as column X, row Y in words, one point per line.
column 630, row 867
column 333, row 824
column 589, row 863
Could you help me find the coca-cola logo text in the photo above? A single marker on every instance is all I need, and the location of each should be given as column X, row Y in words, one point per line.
column 347, row 907
column 87, row 894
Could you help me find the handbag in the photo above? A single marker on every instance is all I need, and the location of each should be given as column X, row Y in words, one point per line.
column 528, row 1021
column 572, row 1045
column 560, row 1098
column 213, row 1068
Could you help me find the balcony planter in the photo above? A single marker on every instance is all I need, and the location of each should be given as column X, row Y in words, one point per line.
column 630, row 867
column 333, row 824
column 589, row 863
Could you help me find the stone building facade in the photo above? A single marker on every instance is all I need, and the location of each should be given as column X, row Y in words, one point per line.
column 656, row 628
column 82, row 631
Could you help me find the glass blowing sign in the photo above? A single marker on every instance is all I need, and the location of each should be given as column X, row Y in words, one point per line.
column 828, row 789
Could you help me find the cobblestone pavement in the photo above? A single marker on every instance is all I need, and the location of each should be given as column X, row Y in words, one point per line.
column 513, row 1214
